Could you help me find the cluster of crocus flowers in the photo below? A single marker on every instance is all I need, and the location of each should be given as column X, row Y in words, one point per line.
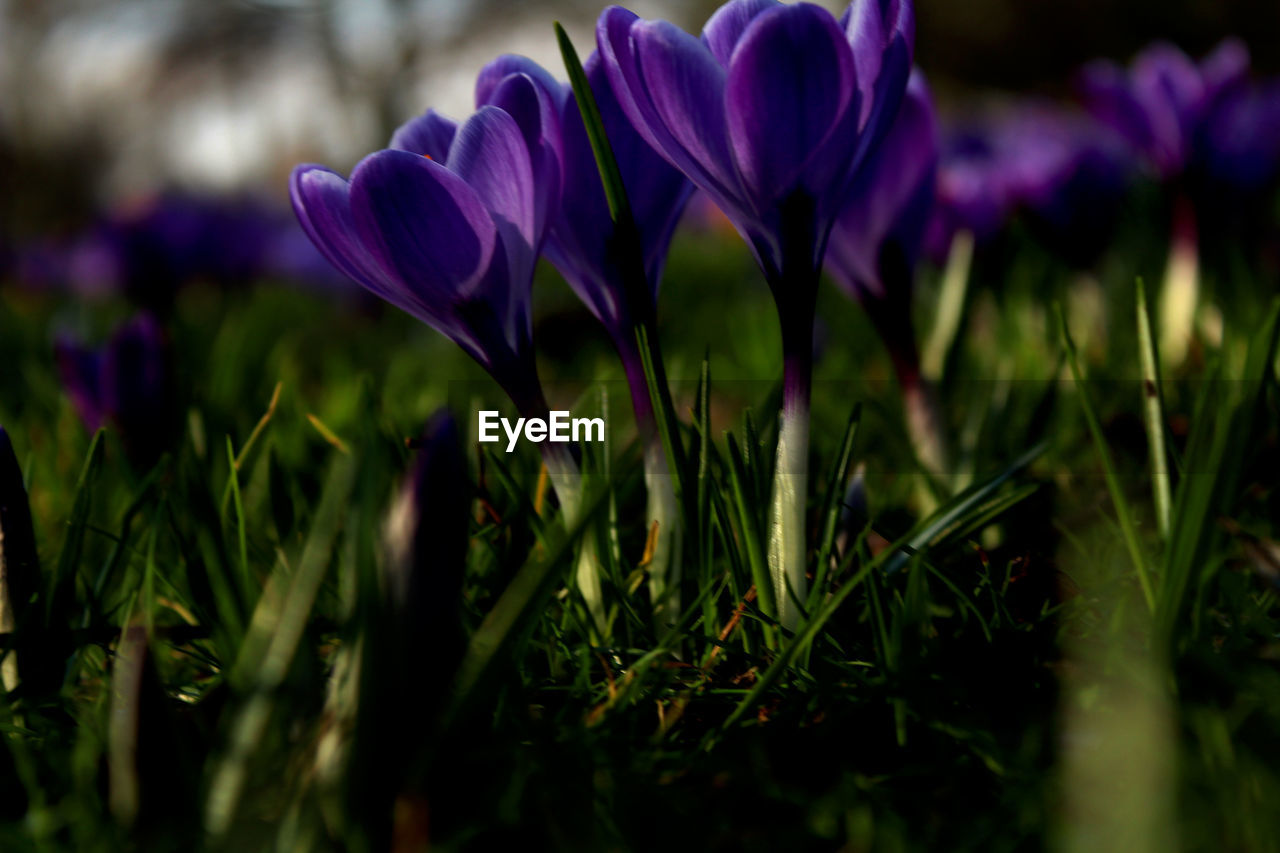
column 127, row 383
column 771, row 113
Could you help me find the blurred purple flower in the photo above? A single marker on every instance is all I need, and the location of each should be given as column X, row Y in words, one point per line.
column 426, row 537
column 1210, row 134
column 149, row 248
column 447, row 224
column 1160, row 103
column 1063, row 171
column 877, row 238
column 128, row 384
column 1238, row 146
column 874, row 248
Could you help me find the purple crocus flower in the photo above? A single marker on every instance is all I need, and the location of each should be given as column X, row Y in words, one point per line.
column 446, row 225
column 971, row 195
column 148, row 249
column 127, row 384
column 771, row 112
column 878, row 236
column 875, row 246
column 591, row 252
column 582, row 242
column 1069, row 176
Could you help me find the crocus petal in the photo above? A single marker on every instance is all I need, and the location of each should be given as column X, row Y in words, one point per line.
column 580, row 244
column 1164, row 73
column 790, row 81
column 1172, row 94
column 882, row 36
column 321, row 200
column 536, row 114
column 429, row 134
column 521, row 98
column 686, row 85
column 891, row 198
column 661, row 75
column 724, row 28
column 423, row 226
column 1240, row 142
column 1226, row 67
column 1104, row 87
column 492, row 75
column 490, row 157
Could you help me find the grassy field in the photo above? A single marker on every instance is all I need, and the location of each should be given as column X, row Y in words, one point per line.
column 221, row 649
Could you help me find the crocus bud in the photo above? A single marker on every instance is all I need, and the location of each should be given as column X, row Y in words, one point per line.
column 19, row 565
column 426, row 542
column 127, row 384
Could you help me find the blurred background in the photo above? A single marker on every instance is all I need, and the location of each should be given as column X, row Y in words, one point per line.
column 101, row 102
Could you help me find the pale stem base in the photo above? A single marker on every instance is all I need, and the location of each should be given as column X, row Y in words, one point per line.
column 786, row 517
column 924, row 427
column 1179, row 296
column 665, row 561
column 566, row 479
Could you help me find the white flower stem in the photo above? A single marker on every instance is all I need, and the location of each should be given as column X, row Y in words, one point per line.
column 787, row 547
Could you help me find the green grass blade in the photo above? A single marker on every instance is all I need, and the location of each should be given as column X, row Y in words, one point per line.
column 950, row 310
column 930, row 533
column 704, row 541
column 1227, row 415
column 749, row 524
column 955, row 516
column 614, row 191
column 237, row 503
column 831, row 504
column 1128, row 529
column 277, row 628
column 61, row 592
column 519, row 606
column 664, row 410
column 1153, row 414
